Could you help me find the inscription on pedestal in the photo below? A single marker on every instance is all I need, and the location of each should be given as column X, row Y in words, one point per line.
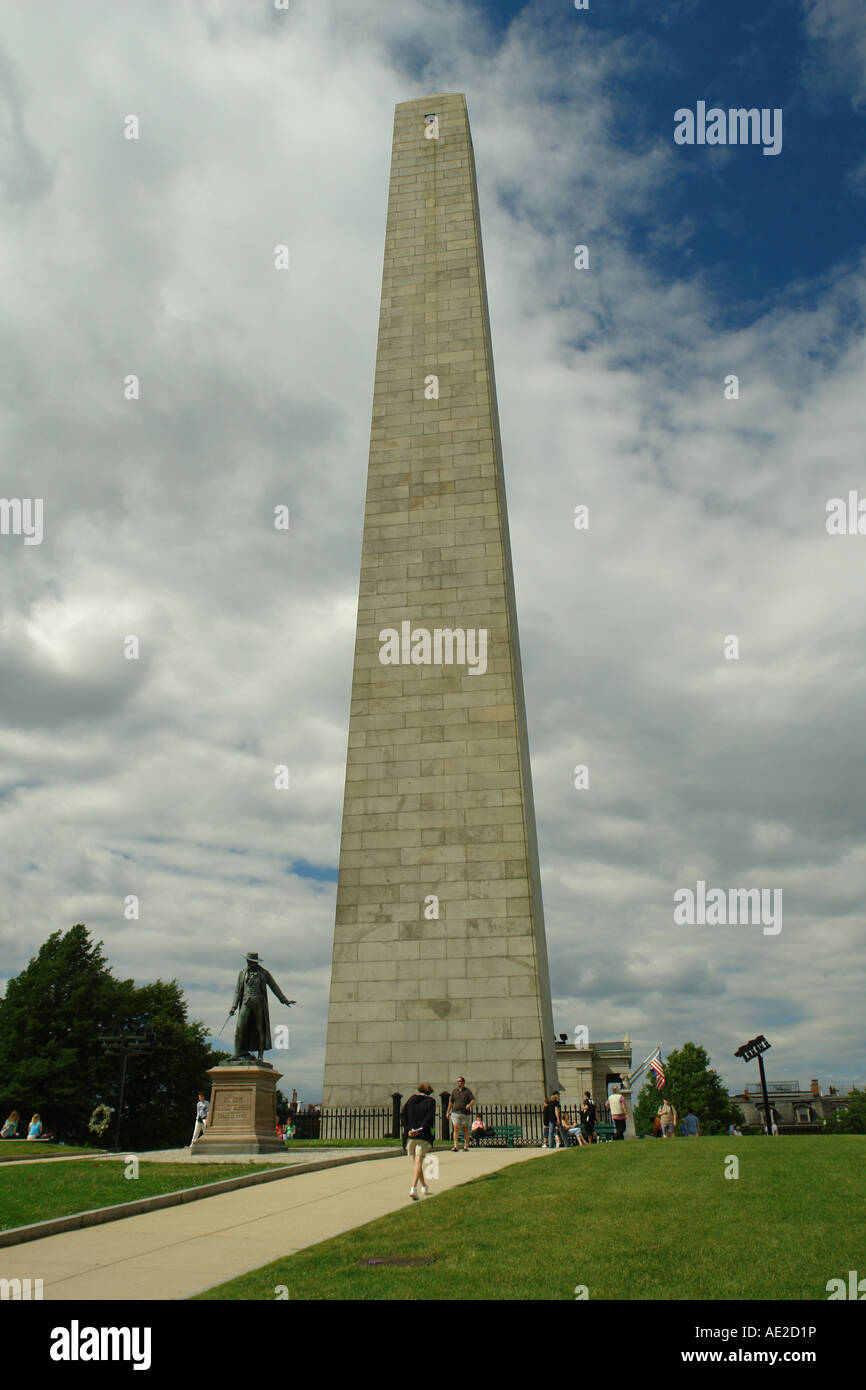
column 232, row 1107
column 243, row 1111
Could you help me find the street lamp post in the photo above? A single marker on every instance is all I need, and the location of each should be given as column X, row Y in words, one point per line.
column 124, row 1045
column 754, row 1048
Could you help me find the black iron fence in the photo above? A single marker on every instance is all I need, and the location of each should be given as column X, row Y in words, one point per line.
column 356, row 1122
column 383, row 1121
column 527, row 1117
column 306, row 1123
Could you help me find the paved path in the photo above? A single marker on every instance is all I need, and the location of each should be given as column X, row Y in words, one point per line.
column 183, row 1250
column 198, row 1156
column 184, row 1156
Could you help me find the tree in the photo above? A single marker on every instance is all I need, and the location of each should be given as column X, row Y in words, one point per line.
column 851, row 1120
column 51, row 1058
column 161, row 1083
column 691, row 1086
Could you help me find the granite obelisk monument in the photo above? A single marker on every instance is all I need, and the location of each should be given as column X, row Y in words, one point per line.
column 440, row 961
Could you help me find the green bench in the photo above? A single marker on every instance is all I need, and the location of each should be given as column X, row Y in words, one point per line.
column 604, row 1130
column 504, row 1135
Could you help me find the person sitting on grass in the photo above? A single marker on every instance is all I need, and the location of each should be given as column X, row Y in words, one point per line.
column 10, row 1128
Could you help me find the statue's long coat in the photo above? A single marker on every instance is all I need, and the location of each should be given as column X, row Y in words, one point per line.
column 270, row 983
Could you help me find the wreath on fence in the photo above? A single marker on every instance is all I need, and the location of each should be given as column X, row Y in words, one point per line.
column 100, row 1120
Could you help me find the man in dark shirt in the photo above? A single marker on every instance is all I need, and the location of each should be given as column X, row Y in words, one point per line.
column 418, row 1116
column 587, row 1115
column 459, row 1113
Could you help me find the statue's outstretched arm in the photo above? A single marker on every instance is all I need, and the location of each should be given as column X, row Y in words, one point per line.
column 278, row 992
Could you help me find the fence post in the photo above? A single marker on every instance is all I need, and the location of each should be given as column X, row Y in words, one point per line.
column 444, row 1097
column 396, row 1098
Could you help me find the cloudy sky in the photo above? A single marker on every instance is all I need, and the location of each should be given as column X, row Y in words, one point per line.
column 154, row 257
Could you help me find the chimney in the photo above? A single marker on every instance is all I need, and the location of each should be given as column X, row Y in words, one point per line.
column 815, row 1088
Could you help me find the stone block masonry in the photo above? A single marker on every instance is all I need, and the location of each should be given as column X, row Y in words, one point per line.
column 440, row 961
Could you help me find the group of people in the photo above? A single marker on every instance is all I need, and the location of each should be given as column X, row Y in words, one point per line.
column 10, row 1127
column 665, row 1122
column 418, row 1119
column 561, row 1129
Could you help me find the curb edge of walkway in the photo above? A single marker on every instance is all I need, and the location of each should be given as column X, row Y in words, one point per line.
column 19, row 1235
column 61, row 1158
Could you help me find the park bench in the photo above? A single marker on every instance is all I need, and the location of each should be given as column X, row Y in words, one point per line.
column 604, row 1130
column 500, row 1135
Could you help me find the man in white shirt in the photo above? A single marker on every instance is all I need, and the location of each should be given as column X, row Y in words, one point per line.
column 201, row 1109
column 618, row 1112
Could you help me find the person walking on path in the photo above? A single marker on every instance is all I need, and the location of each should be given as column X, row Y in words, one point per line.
column 618, row 1112
column 418, row 1115
column 668, row 1116
column 201, row 1109
column 460, row 1113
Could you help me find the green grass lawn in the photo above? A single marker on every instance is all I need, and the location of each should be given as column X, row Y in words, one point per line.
column 42, row 1191
column 19, row 1148
column 644, row 1219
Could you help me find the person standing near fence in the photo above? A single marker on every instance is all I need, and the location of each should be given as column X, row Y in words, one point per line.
column 418, row 1116
column 460, row 1113
column 554, row 1127
column 587, row 1116
column 618, row 1112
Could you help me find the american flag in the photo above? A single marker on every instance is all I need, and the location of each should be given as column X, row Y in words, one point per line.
column 656, row 1066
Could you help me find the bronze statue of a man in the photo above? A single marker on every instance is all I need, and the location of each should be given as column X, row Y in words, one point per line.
column 253, row 1032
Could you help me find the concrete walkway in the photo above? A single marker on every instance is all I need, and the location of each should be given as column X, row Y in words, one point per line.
column 184, row 1250
column 284, row 1160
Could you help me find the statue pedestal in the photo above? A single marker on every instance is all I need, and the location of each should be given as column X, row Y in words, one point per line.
column 243, row 1112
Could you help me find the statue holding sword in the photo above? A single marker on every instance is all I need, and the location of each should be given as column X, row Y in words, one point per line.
column 253, row 1031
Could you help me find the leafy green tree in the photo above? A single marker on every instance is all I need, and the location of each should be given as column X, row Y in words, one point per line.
column 52, row 1060
column 852, row 1120
column 50, row 1057
column 161, row 1083
column 691, row 1086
